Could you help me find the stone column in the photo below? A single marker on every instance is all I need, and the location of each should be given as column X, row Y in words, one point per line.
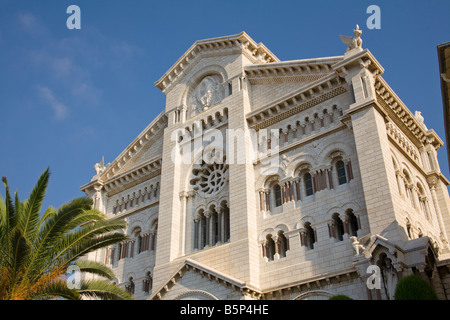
column 297, row 189
column 432, row 183
column 208, row 215
column 220, row 224
column 197, row 236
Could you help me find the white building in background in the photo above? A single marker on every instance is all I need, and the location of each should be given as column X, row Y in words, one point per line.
column 269, row 179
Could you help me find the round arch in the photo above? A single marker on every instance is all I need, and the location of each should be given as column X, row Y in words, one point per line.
column 314, row 295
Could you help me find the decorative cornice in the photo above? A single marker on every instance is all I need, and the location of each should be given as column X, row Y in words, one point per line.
column 305, row 70
column 145, row 171
column 239, row 43
column 403, row 117
column 403, row 141
column 365, row 59
column 117, row 172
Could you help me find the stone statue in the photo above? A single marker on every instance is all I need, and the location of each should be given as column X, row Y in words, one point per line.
column 390, row 279
column 100, row 167
column 353, row 42
column 359, row 248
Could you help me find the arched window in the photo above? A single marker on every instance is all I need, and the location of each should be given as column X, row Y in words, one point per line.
column 340, row 169
column 308, row 184
column 130, row 286
column 277, row 193
column 308, row 236
column 282, row 244
column 337, row 227
column 408, row 228
column 270, row 248
column 408, row 187
column 147, row 283
column 420, row 235
column 423, row 202
column 352, row 222
column 211, row 227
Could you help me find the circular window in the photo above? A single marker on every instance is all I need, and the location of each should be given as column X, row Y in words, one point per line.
column 210, row 178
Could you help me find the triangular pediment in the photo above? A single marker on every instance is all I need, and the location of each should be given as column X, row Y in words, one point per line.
column 304, row 70
column 140, row 161
column 240, row 43
column 192, row 281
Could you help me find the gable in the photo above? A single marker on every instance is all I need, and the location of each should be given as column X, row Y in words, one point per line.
column 140, row 161
column 240, row 43
column 271, row 81
column 195, row 281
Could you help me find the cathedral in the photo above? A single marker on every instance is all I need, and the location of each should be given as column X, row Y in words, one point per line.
column 276, row 180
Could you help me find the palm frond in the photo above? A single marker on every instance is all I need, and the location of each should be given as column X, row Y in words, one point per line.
column 97, row 289
column 35, row 251
column 58, row 289
column 96, row 268
column 56, row 225
column 9, row 207
column 29, row 217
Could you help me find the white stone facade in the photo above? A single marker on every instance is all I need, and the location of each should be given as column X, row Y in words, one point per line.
column 302, row 174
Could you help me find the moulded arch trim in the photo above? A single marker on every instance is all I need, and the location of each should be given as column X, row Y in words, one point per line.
column 281, row 227
column 137, row 224
column 201, row 207
column 224, row 200
column 189, row 295
column 271, row 180
column 198, row 76
column 325, row 154
column 154, row 224
column 351, row 206
column 148, row 269
column 314, row 293
column 334, row 210
column 420, row 182
column 264, row 234
column 130, row 275
column 149, row 221
column 298, row 161
column 301, row 223
column 212, row 204
column 395, row 160
column 404, row 167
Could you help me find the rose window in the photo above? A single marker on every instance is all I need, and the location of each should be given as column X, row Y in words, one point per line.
column 209, row 179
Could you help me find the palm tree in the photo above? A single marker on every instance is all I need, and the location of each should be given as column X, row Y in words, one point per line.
column 37, row 249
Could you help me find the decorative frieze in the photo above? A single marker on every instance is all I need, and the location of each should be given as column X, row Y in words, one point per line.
column 131, row 178
column 403, row 141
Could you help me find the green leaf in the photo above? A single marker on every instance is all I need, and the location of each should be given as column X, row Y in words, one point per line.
column 96, row 268
column 103, row 290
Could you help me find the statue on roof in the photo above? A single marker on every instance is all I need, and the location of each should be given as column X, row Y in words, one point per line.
column 100, row 167
column 355, row 41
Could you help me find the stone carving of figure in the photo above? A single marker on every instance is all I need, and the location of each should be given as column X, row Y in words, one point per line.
column 353, row 42
column 420, row 119
column 208, row 93
column 359, row 248
column 389, row 275
column 100, row 167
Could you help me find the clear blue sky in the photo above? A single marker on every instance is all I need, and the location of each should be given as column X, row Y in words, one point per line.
column 67, row 97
